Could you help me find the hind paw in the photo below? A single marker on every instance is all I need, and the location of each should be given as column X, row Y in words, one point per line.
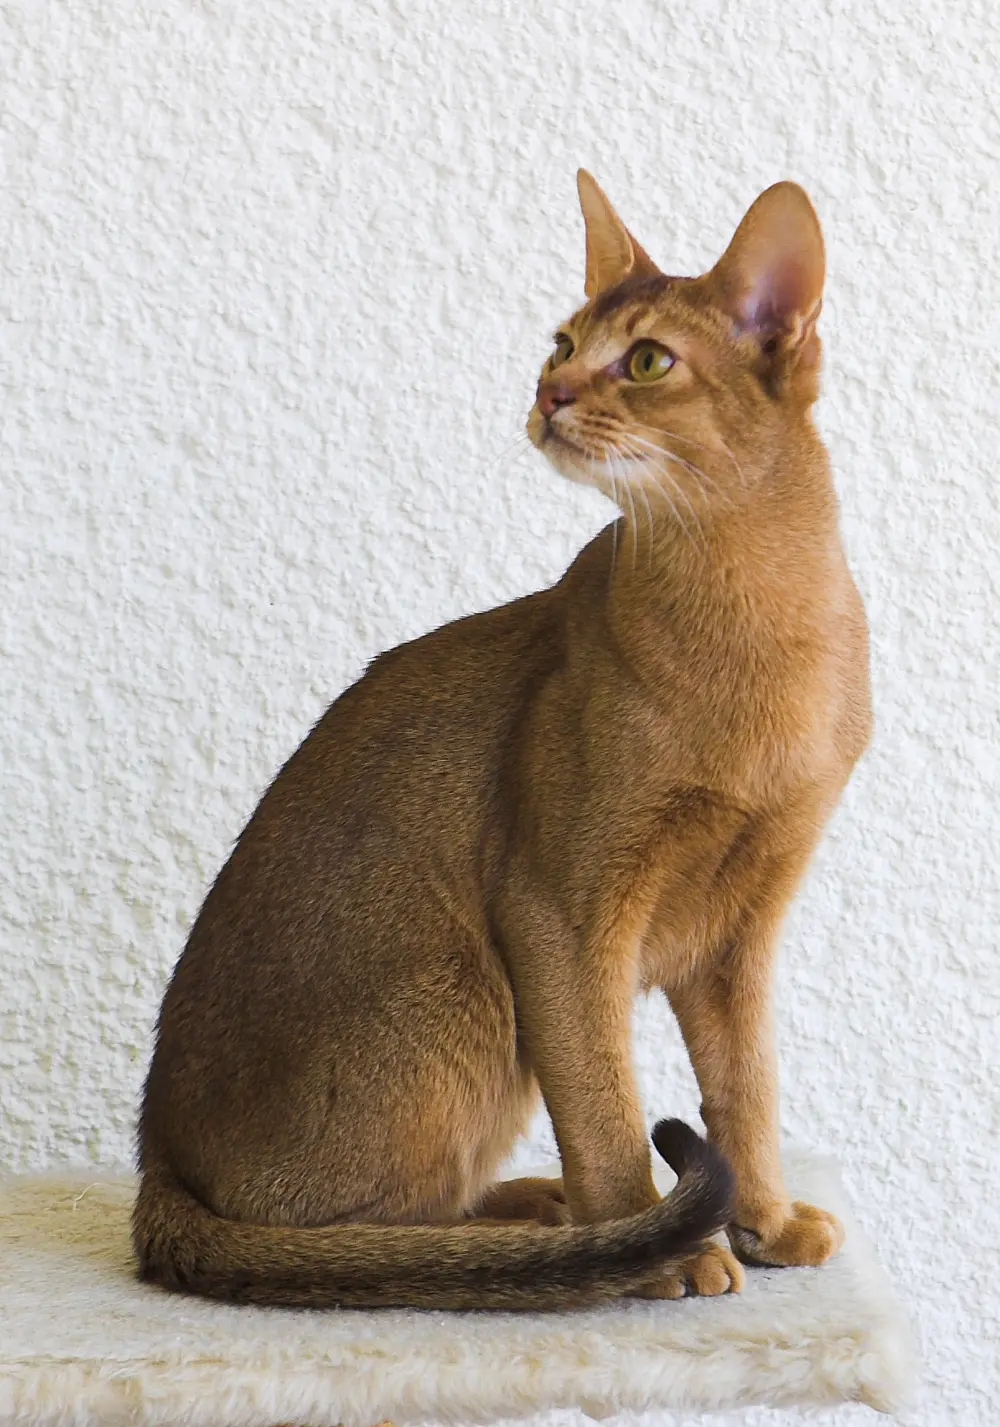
column 706, row 1274
column 540, row 1200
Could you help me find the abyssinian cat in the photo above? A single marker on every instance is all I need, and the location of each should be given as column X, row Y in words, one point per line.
column 449, row 897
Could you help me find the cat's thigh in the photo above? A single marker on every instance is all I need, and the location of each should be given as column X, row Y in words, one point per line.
column 399, row 1111
column 431, row 1099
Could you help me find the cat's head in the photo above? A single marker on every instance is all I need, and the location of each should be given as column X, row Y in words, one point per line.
column 685, row 388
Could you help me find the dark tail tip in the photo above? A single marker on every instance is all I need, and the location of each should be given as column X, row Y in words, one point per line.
column 679, row 1145
column 686, row 1152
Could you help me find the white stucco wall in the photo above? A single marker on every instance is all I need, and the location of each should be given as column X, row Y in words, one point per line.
column 274, row 283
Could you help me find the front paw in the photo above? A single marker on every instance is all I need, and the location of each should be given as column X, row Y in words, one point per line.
column 802, row 1236
column 711, row 1271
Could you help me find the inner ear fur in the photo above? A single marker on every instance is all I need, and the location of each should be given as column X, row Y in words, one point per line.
column 770, row 278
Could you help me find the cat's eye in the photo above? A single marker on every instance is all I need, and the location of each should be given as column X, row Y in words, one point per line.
column 563, row 351
column 648, row 362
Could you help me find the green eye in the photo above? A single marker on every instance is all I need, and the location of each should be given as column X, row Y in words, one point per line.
column 563, row 351
column 648, row 362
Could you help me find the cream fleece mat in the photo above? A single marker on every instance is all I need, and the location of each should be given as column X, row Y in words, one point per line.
column 82, row 1344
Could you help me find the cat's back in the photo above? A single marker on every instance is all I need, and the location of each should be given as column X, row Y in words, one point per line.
column 427, row 720
column 401, row 767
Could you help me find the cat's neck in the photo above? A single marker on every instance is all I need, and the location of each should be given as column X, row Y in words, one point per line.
column 759, row 566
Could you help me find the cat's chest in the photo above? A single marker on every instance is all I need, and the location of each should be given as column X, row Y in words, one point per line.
column 712, row 859
column 753, row 731
column 743, row 792
column 751, row 684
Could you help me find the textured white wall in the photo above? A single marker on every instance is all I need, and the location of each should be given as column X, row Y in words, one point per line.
column 274, row 283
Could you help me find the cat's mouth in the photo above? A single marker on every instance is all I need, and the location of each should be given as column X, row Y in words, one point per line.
column 539, row 428
column 551, row 437
column 601, row 465
column 559, row 447
column 568, row 458
column 545, row 437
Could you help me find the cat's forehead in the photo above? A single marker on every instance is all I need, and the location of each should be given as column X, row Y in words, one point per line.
column 632, row 296
column 636, row 308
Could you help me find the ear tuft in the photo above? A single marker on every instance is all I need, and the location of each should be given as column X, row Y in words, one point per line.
column 770, row 278
column 612, row 252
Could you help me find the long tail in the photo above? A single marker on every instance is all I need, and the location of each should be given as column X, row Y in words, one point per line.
column 184, row 1246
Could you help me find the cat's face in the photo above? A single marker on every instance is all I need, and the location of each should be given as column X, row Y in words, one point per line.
column 677, row 389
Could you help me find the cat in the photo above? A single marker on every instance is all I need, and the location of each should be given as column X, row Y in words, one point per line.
column 449, row 897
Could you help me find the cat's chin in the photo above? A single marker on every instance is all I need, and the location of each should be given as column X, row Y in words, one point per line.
column 575, row 465
column 566, row 457
column 571, row 461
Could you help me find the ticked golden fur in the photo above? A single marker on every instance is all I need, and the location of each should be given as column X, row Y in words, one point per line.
column 451, row 894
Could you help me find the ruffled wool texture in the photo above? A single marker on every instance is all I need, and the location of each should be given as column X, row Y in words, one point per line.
column 81, row 1341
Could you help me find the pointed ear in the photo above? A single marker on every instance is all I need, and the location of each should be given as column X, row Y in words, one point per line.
column 612, row 252
column 770, row 278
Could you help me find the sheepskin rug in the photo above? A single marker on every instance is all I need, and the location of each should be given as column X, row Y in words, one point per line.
column 82, row 1343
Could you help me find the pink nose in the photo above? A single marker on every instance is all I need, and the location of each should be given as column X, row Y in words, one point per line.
column 552, row 395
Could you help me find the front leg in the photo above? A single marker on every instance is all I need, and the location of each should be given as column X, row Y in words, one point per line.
column 724, row 1014
column 574, row 998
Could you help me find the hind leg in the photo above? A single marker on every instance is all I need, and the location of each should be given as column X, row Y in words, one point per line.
column 539, row 1200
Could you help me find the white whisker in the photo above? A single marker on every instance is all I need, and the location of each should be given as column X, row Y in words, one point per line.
column 657, row 470
column 739, row 468
column 635, row 524
column 696, row 471
column 617, row 473
column 698, row 445
column 509, row 455
column 665, row 451
column 614, row 528
column 679, row 490
column 649, row 519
